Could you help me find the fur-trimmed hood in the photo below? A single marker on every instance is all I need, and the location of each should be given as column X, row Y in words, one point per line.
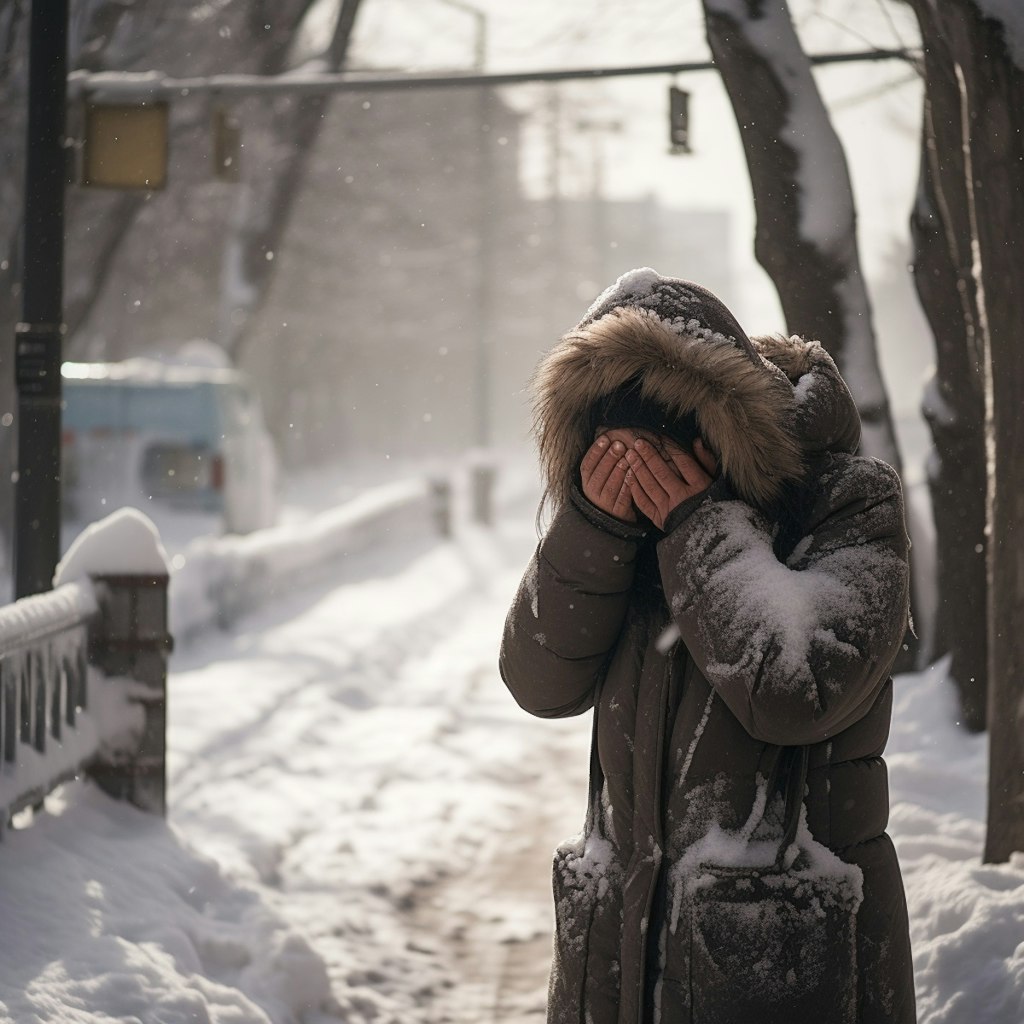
column 763, row 404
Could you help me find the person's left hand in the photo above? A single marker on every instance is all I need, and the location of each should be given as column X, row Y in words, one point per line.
column 659, row 484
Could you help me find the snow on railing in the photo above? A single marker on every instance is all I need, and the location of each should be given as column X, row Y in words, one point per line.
column 45, row 732
column 83, row 672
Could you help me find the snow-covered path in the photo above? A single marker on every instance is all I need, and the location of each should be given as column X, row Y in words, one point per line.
column 361, row 823
column 355, row 756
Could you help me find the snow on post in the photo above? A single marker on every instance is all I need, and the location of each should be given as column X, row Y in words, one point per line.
column 129, row 643
column 125, row 543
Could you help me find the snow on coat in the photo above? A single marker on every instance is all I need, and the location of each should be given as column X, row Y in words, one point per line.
column 768, row 614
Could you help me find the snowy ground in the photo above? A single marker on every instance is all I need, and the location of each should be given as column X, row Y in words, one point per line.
column 361, row 822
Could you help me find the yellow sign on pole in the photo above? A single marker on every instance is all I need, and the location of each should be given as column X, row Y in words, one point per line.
column 125, row 146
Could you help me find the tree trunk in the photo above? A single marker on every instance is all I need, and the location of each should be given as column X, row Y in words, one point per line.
column 806, row 235
column 806, row 222
column 954, row 403
column 993, row 88
column 969, row 58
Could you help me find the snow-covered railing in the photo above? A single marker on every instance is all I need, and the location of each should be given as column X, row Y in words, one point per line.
column 83, row 673
column 44, row 732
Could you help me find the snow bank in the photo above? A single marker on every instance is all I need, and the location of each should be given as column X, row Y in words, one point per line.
column 215, row 579
column 966, row 918
column 109, row 915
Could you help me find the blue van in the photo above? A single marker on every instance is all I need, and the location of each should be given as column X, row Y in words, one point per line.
column 147, row 433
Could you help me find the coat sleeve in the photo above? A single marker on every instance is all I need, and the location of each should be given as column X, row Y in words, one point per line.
column 797, row 650
column 566, row 616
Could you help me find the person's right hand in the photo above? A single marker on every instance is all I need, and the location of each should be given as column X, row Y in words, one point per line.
column 603, row 472
column 661, row 479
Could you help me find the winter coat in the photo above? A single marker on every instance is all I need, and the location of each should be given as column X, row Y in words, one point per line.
column 751, row 623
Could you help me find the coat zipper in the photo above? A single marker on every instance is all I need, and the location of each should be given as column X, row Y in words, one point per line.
column 659, row 834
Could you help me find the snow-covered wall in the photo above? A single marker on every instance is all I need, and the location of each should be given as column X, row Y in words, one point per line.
column 218, row 578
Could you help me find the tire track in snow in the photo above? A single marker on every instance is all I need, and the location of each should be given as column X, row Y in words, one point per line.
column 378, row 654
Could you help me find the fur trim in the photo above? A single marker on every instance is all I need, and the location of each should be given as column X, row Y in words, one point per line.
column 826, row 414
column 745, row 411
column 795, row 356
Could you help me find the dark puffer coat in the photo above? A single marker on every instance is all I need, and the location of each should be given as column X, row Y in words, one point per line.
column 767, row 614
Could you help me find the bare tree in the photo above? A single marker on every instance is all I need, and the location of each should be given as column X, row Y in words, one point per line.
column 806, row 221
column 974, row 79
column 264, row 204
column 954, row 402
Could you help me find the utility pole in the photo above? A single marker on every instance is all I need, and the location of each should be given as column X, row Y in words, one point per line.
column 39, row 337
column 488, row 211
column 483, row 428
column 482, row 473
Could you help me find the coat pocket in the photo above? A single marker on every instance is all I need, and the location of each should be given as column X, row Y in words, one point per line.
column 772, row 945
column 581, row 878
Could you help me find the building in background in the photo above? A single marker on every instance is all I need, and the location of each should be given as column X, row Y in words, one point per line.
column 413, row 276
column 412, row 249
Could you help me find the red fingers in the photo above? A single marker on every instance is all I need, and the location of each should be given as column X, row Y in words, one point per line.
column 593, row 456
column 661, row 484
column 603, row 474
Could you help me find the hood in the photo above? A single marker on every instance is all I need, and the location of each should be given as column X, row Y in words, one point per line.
column 763, row 404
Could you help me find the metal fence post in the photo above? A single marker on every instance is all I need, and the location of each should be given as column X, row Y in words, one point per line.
column 129, row 639
column 38, row 339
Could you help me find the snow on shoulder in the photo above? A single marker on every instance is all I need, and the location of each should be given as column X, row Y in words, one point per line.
column 126, row 542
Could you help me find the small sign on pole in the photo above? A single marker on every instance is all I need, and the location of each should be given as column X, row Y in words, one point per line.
column 125, row 145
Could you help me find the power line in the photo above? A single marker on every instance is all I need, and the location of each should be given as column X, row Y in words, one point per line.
column 153, row 85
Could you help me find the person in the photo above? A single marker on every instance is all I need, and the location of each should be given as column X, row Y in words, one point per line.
column 724, row 580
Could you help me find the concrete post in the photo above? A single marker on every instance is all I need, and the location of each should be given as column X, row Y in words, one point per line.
column 129, row 639
column 441, row 498
column 481, row 492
